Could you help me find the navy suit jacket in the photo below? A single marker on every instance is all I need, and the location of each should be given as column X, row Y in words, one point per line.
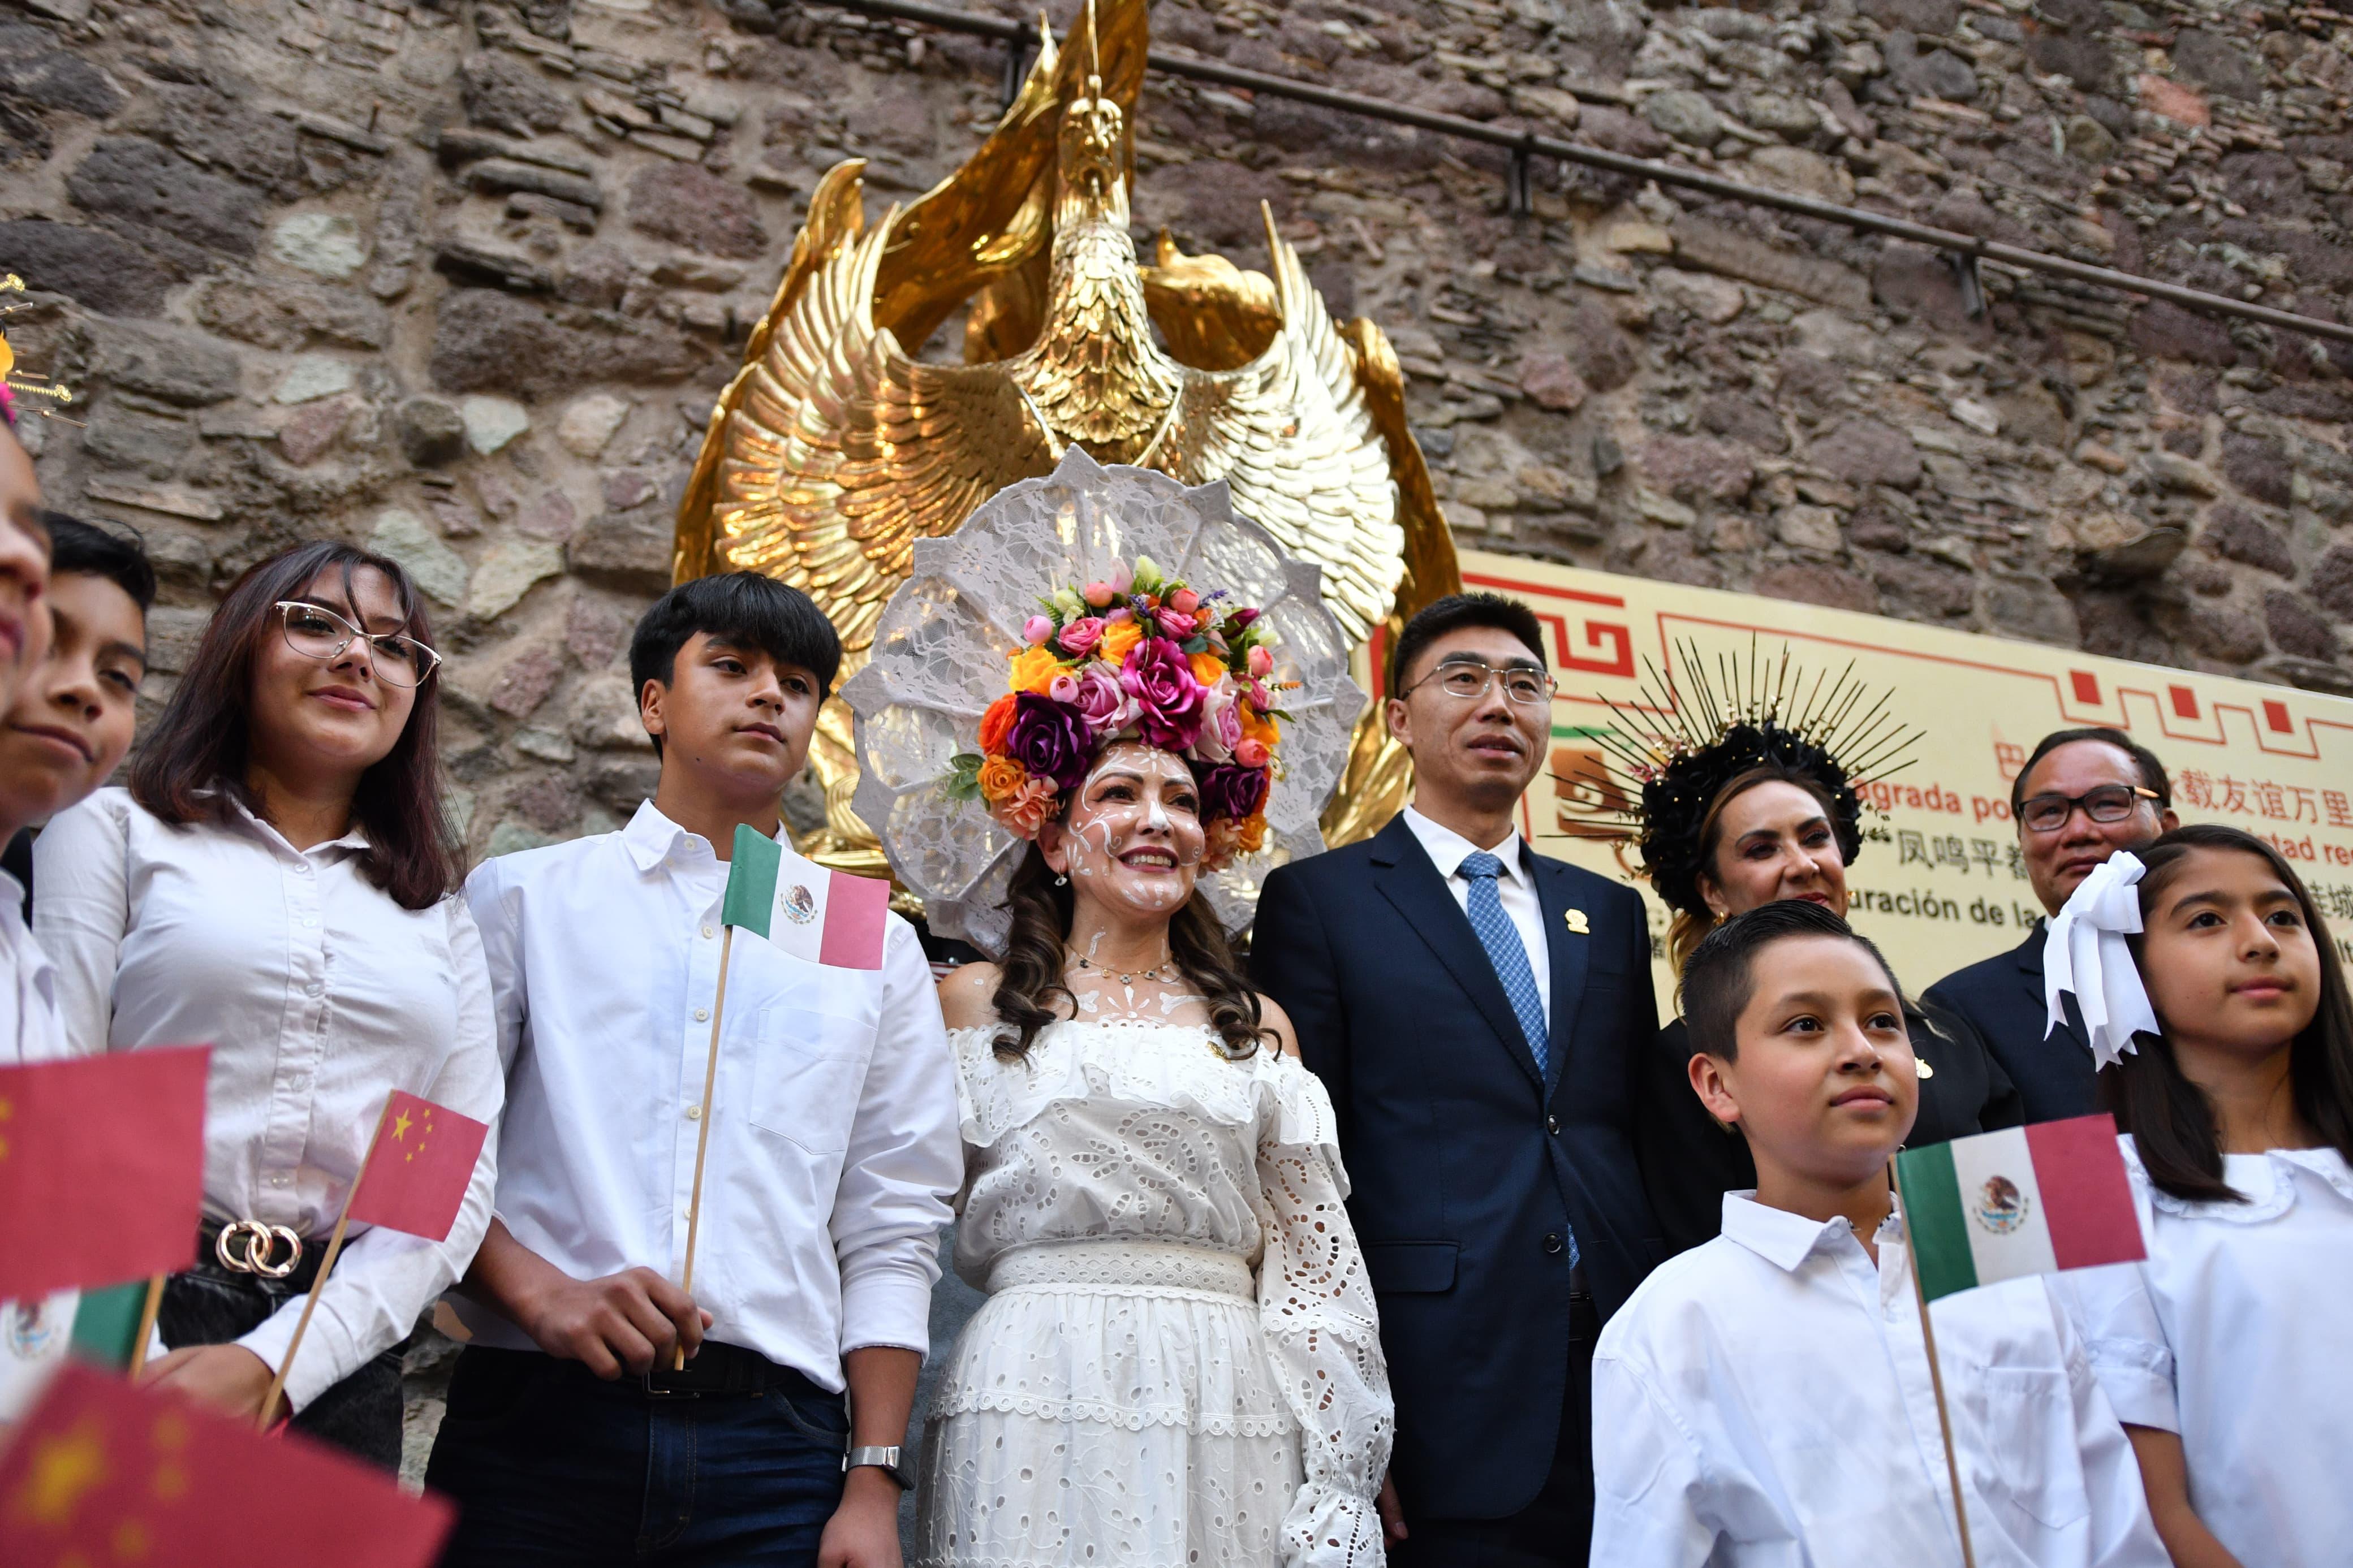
column 1468, row 1168
column 2003, row 997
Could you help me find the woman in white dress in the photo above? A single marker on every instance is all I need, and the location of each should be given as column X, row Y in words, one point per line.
column 1179, row 1365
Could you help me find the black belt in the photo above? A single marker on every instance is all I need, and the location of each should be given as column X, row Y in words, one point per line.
column 268, row 1259
column 718, row 1368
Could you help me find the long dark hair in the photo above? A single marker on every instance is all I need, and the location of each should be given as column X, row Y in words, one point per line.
column 2171, row 1118
column 192, row 766
column 1029, row 976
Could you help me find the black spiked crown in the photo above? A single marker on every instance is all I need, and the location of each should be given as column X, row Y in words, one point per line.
column 1681, row 739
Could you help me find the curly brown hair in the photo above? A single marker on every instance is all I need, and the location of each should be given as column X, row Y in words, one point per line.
column 1029, row 975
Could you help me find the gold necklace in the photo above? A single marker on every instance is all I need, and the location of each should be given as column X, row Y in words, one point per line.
column 1164, row 973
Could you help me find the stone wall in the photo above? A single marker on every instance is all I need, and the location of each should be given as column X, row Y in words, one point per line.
column 461, row 279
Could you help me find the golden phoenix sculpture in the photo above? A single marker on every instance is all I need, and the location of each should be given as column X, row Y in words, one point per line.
column 833, row 449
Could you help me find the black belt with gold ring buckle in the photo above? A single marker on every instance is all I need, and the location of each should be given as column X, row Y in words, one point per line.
column 259, row 1254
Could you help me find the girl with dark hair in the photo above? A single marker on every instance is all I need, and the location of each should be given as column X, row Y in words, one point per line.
column 2228, row 1354
column 277, row 882
column 1750, row 806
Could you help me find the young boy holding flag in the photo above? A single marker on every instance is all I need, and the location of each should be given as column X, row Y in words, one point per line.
column 755, row 1030
column 1770, row 1396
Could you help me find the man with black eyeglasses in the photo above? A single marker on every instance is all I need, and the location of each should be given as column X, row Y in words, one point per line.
column 1480, row 1013
column 2083, row 795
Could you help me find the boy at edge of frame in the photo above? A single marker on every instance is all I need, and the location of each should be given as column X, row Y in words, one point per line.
column 1770, row 1389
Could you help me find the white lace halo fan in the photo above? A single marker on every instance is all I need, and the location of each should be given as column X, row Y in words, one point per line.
column 939, row 661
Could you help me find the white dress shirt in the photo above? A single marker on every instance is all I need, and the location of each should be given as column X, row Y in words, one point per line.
column 1765, row 1399
column 2237, row 1335
column 319, row 995
column 834, row 1151
column 33, row 1333
column 1516, row 888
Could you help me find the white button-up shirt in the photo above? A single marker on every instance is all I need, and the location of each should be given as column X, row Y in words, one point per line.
column 1765, row 1399
column 2236, row 1335
column 319, row 995
column 1515, row 889
column 33, row 1333
column 833, row 1126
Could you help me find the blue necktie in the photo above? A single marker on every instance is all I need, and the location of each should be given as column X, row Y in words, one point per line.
column 1506, row 952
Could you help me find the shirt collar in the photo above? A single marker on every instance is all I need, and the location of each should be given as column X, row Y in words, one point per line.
column 1784, row 1239
column 651, row 839
column 1447, row 848
column 356, row 838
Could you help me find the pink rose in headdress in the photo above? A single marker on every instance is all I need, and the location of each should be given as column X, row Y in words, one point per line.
column 1026, row 808
column 1168, row 699
column 1048, row 740
column 1185, row 601
column 1175, row 623
column 1037, row 629
column 1097, row 595
column 1080, row 637
column 1252, row 753
column 1102, row 701
column 1221, row 722
column 1261, row 662
column 1064, row 689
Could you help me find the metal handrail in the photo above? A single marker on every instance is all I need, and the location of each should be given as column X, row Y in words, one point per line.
column 1524, row 144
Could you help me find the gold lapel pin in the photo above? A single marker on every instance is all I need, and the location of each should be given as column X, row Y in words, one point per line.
column 1575, row 920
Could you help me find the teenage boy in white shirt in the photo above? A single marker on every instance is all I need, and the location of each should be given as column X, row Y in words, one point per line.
column 833, row 1152
column 1765, row 1398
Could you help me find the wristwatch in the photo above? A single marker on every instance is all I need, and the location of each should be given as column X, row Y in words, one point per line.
column 884, row 1459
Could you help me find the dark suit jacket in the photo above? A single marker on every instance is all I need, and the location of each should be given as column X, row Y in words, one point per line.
column 1689, row 1160
column 1470, row 1170
column 2003, row 997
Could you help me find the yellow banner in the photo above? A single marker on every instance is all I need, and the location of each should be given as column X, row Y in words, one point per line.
column 1946, row 888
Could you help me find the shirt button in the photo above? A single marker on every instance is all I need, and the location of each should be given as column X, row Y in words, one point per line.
column 314, row 989
column 278, row 1179
column 1551, row 1242
column 302, row 868
column 310, row 920
column 708, row 933
column 702, row 1014
column 1552, row 1124
column 694, row 1114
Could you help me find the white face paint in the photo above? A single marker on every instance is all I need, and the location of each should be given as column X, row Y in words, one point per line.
column 1133, row 835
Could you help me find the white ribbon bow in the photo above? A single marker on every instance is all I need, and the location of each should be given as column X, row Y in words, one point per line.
column 2085, row 953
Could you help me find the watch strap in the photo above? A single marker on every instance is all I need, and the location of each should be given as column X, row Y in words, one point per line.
column 881, row 1458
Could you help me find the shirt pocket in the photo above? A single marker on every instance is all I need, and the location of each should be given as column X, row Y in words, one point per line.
column 2031, row 1429
column 807, row 1069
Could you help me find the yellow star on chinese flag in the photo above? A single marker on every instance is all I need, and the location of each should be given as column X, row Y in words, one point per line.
column 400, row 1126
column 65, row 1467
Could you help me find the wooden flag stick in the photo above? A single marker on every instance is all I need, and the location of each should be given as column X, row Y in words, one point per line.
column 153, row 1304
column 326, row 1265
column 702, row 1137
column 1936, row 1381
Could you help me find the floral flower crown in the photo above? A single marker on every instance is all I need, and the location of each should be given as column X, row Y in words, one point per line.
column 1137, row 656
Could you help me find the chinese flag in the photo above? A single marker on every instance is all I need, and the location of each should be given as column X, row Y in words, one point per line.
column 102, row 1169
column 104, row 1473
column 416, row 1176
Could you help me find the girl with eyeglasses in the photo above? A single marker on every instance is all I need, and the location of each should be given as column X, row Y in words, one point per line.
column 278, row 882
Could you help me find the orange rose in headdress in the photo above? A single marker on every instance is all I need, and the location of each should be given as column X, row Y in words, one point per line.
column 1259, row 727
column 995, row 722
column 1119, row 639
column 999, row 778
column 1207, row 668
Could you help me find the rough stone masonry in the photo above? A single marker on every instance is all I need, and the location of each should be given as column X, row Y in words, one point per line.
column 460, row 278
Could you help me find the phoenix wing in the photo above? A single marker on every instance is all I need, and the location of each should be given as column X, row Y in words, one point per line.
column 1292, row 433
column 841, row 451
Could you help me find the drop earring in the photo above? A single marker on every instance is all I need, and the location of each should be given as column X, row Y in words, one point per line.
column 1061, row 880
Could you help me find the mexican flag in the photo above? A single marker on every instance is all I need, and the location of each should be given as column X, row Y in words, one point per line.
column 826, row 916
column 2025, row 1199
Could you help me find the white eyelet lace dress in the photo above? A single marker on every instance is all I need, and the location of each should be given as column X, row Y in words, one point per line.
column 1179, row 1365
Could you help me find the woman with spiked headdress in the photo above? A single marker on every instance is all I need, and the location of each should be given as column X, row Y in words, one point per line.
column 1746, row 776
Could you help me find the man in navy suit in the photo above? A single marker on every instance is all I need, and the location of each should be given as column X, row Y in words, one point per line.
column 1479, row 1012
column 2083, row 795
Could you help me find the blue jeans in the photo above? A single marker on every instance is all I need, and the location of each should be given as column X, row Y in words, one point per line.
column 550, row 1465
